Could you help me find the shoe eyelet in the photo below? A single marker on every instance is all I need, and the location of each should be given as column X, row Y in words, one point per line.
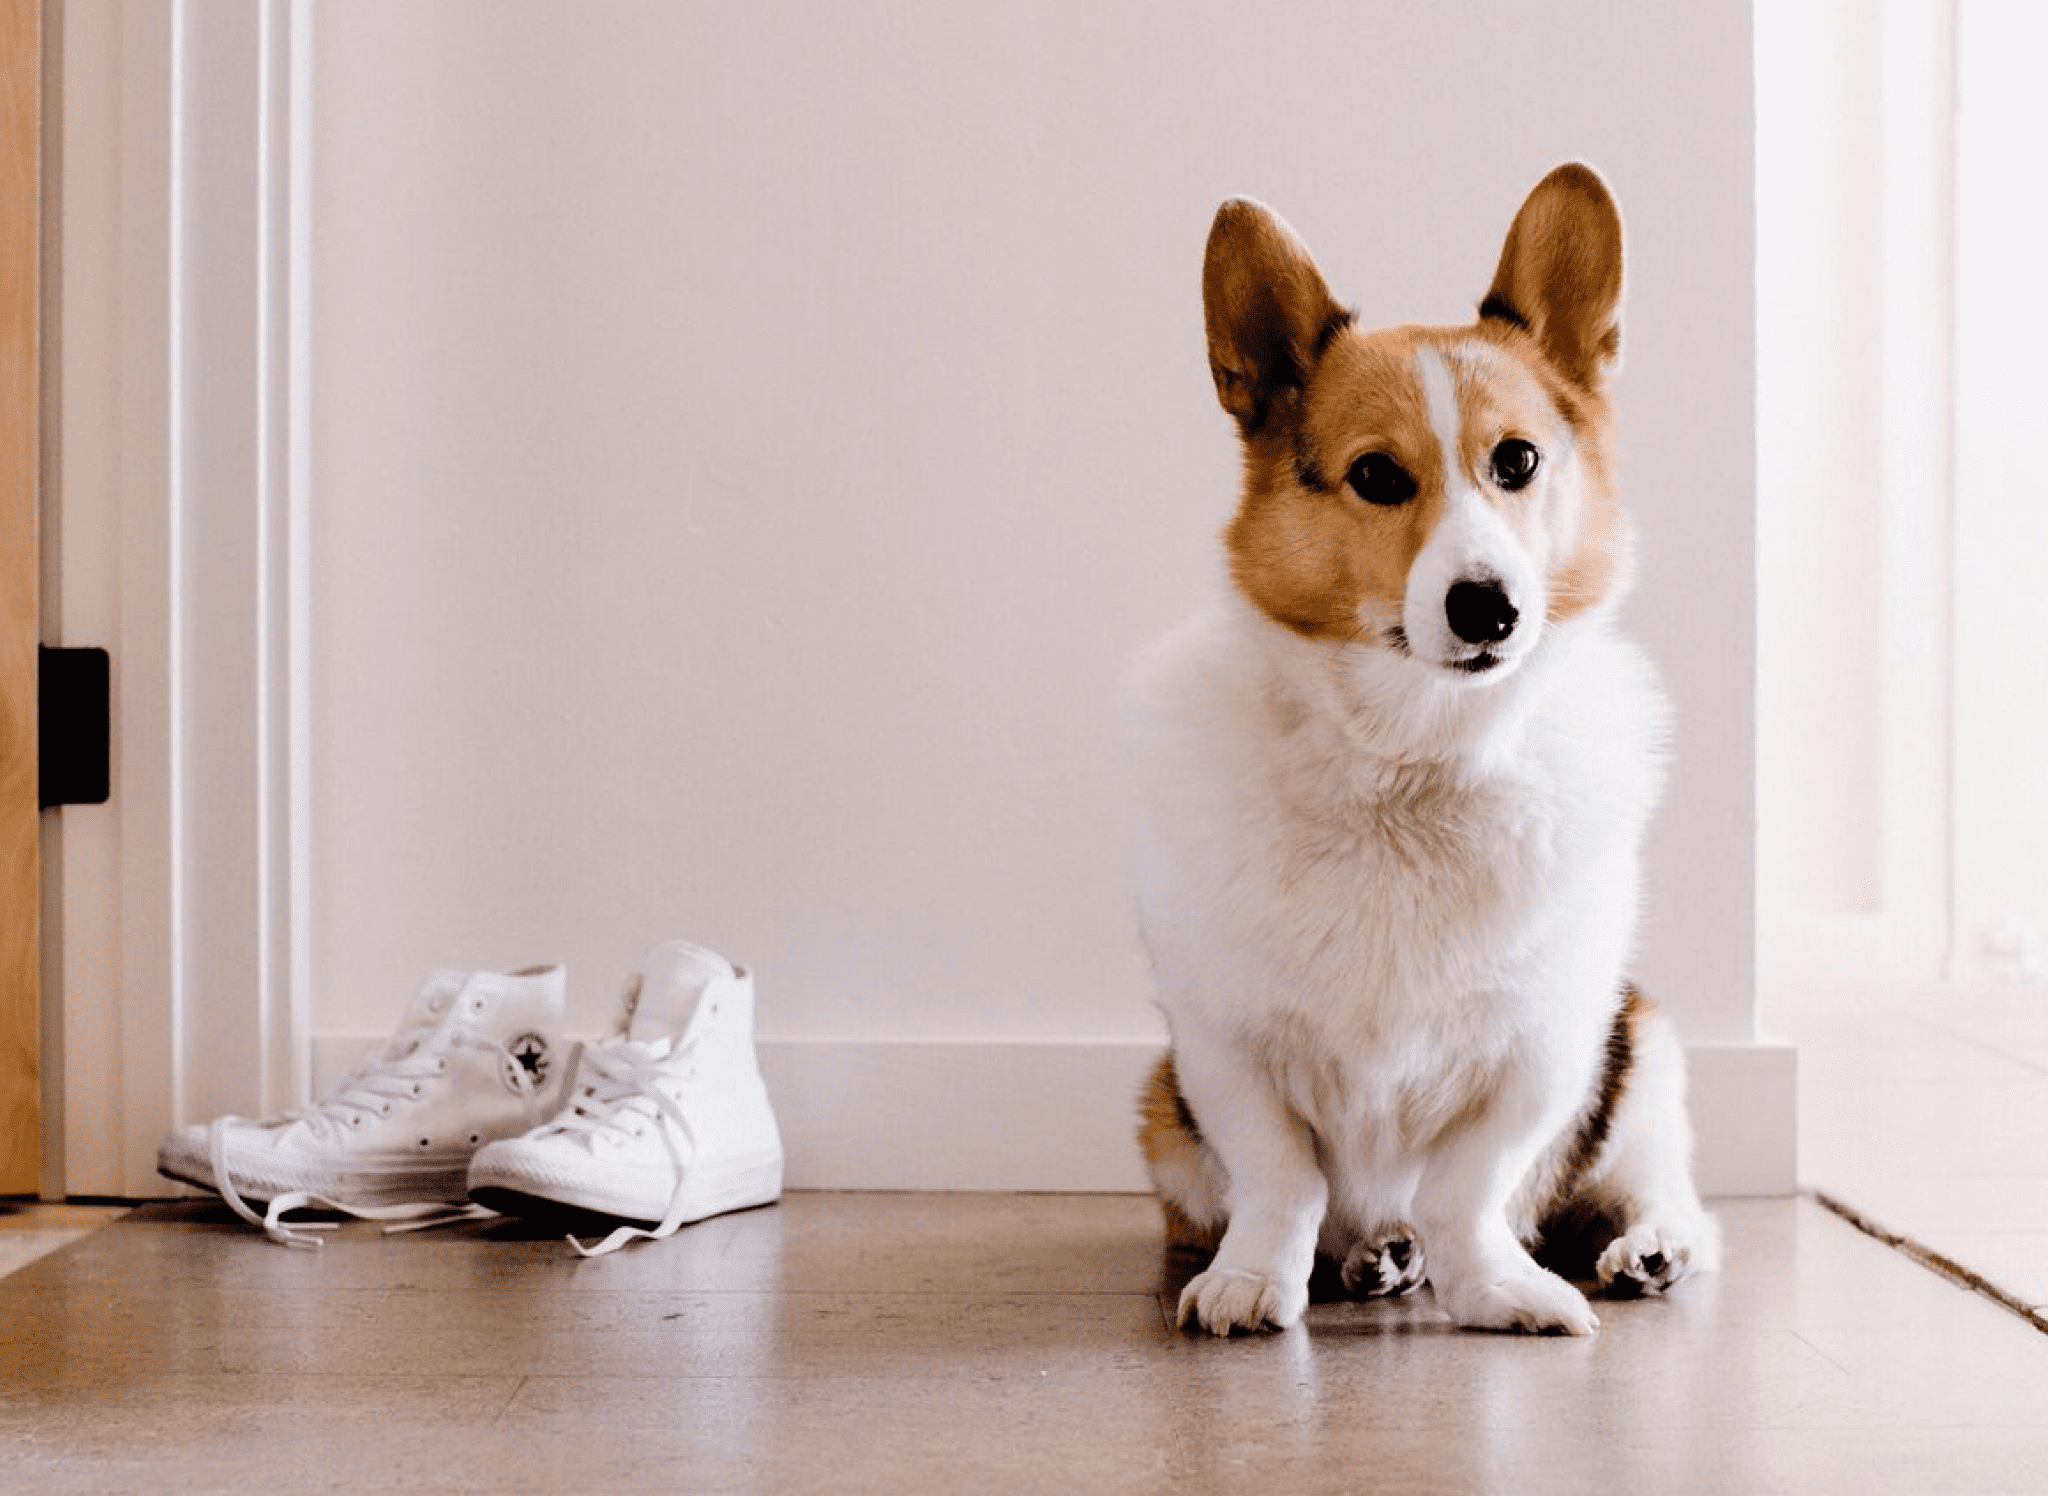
column 476, row 1140
column 426, row 1142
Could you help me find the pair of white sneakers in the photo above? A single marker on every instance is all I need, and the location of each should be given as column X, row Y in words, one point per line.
column 479, row 1104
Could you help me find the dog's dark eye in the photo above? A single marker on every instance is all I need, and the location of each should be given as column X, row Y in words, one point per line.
column 1378, row 479
column 1514, row 463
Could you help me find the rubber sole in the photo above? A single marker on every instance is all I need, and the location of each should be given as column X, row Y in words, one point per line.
column 743, row 1188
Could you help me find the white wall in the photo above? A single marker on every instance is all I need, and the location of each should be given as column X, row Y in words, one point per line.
column 747, row 444
column 2000, row 794
column 750, row 442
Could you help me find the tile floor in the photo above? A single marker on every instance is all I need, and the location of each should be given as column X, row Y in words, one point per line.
column 966, row 1343
column 1018, row 1343
column 1928, row 1115
column 30, row 1229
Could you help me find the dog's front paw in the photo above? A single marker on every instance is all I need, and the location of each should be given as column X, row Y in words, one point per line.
column 1651, row 1256
column 1383, row 1269
column 1225, row 1300
column 1528, row 1301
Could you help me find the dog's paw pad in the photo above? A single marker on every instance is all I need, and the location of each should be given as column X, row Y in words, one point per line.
column 1383, row 1269
column 1643, row 1261
column 1225, row 1300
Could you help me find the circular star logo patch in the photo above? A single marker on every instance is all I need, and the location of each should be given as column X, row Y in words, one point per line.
column 527, row 1062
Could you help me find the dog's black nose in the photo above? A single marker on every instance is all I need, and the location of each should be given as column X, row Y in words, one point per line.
column 1480, row 613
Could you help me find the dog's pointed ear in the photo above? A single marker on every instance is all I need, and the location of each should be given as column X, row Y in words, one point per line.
column 1560, row 274
column 1268, row 310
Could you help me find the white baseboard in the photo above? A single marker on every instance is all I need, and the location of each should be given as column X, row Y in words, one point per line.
column 1745, row 1117
column 945, row 1115
column 960, row 1116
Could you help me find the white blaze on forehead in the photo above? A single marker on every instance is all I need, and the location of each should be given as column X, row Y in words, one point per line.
column 1470, row 542
column 1445, row 422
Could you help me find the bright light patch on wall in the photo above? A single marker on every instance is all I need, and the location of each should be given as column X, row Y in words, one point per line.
column 2001, row 524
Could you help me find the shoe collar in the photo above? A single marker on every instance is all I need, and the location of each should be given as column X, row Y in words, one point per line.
column 451, row 1000
column 680, row 989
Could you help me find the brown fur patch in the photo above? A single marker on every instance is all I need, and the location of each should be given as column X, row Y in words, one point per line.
column 1597, row 564
column 1617, row 1062
column 1170, row 1138
column 1317, row 558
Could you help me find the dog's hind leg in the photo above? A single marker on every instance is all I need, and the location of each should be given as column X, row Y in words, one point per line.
column 1642, row 1179
column 1184, row 1168
column 1384, row 1266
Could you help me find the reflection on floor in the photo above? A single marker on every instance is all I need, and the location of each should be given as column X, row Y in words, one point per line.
column 960, row 1343
column 954, row 1343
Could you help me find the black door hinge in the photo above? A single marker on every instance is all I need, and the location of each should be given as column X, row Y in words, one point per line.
column 74, row 708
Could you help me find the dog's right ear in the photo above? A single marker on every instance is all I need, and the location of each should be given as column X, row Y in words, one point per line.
column 1269, row 312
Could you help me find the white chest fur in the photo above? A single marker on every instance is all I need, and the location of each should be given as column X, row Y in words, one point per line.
column 1389, row 877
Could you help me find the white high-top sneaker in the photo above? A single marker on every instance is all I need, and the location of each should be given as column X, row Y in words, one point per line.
column 668, row 1123
column 477, row 1056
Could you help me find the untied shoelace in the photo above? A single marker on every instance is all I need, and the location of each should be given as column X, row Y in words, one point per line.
column 618, row 1078
column 359, row 1097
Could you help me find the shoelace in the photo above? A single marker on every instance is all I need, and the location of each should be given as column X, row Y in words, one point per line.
column 617, row 1079
column 356, row 1099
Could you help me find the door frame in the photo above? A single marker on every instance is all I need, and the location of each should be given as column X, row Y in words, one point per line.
column 20, row 594
column 181, row 507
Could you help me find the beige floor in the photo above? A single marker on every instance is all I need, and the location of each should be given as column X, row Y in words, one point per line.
column 963, row 1343
column 1928, row 1114
column 967, row 1343
column 30, row 1229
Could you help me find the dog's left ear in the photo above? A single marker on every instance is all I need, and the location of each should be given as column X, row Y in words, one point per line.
column 1560, row 274
column 1267, row 309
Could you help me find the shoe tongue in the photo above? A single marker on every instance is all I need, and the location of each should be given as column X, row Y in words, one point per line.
column 671, row 984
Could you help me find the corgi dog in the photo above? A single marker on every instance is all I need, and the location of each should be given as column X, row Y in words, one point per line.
column 1395, row 787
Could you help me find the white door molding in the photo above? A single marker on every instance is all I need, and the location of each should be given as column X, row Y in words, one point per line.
column 1858, row 773
column 203, row 1007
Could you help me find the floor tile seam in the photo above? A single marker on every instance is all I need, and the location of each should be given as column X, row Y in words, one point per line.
column 1802, row 1338
column 1980, row 1046
column 1957, row 1273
